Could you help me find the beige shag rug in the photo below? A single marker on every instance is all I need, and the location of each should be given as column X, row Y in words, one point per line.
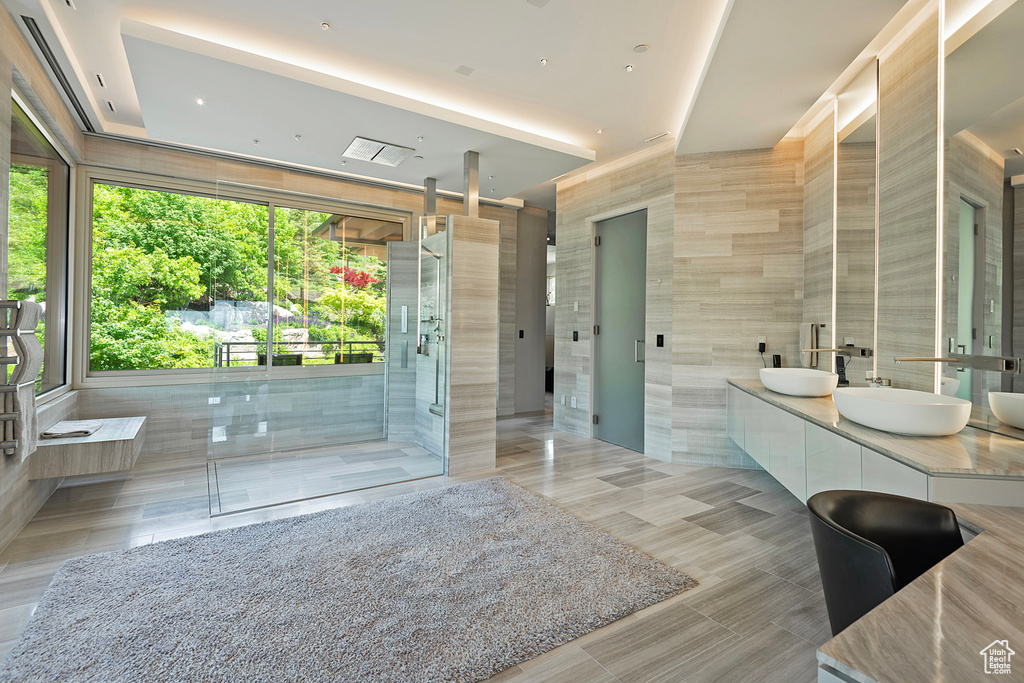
column 451, row 584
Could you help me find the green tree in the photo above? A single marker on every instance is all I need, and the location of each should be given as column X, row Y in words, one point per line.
column 134, row 336
column 26, row 240
column 130, row 274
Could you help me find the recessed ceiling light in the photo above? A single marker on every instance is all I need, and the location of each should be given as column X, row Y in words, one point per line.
column 600, row 131
column 629, row 67
column 641, row 48
column 1017, row 151
column 297, row 138
column 490, row 177
column 420, row 138
column 544, row 62
column 255, row 141
column 200, row 101
column 343, row 162
column 417, row 157
column 325, row 26
column 493, row 190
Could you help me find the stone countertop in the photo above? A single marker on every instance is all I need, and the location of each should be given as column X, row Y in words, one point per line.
column 972, row 452
column 935, row 628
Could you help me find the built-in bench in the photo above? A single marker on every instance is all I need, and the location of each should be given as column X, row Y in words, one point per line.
column 114, row 447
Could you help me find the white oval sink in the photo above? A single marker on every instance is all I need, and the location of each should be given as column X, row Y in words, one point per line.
column 902, row 411
column 1009, row 408
column 799, row 381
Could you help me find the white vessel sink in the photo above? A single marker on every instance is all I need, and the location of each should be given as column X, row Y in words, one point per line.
column 902, row 411
column 799, row 381
column 1009, row 408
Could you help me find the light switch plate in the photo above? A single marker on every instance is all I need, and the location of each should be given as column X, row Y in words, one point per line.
column 573, row 405
column 576, row 306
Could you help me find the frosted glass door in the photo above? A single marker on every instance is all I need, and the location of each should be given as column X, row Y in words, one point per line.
column 619, row 347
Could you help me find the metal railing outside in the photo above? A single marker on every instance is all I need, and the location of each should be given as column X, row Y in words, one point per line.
column 233, row 354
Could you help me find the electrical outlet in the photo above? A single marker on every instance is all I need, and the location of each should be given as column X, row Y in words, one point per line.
column 762, row 340
column 573, row 401
column 848, row 341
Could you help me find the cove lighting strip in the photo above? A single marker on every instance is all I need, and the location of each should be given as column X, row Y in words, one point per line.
column 941, row 203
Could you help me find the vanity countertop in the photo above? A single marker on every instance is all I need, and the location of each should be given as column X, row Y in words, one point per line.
column 936, row 628
column 972, row 452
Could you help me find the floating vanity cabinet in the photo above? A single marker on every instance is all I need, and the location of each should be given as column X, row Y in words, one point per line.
column 786, row 451
column 832, row 461
column 885, row 475
column 809, row 447
column 735, row 408
column 757, row 419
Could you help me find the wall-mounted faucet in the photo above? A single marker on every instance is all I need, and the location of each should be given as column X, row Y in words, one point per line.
column 1001, row 364
column 851, row 351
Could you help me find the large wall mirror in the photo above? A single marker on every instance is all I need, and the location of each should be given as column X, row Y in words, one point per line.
column 983, row 123
column 856, row 218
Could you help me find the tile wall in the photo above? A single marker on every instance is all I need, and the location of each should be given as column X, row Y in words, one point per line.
column 738, row 275
column 908, row 135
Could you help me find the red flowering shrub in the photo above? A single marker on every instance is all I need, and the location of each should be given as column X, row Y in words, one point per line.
column 356, row 278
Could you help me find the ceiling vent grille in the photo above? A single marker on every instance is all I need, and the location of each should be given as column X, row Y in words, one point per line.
column 383, row 153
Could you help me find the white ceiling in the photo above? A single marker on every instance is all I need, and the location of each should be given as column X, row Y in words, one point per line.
column 242, row 105
column 771, row 62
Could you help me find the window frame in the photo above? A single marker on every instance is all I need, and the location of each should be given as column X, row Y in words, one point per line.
column 66, row 269
column 84, row 378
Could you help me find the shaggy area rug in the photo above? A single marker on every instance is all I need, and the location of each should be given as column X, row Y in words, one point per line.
column 451, row 584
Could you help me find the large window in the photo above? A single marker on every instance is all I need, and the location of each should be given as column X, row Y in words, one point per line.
column 37, row 238
column 183, row 281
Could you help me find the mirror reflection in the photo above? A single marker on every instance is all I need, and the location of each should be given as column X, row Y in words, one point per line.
column 983, row 126
column 855, row 242
column 856, row 213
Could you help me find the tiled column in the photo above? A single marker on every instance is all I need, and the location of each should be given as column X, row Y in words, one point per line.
column 471, row 405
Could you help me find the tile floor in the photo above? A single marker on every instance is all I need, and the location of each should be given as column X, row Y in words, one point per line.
column 254, row 481
column 757, row 615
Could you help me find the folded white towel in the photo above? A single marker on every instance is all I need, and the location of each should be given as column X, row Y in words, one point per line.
column 808, row 340
column 71, row 428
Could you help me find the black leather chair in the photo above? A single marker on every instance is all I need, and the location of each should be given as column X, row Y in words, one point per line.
column 870, row 545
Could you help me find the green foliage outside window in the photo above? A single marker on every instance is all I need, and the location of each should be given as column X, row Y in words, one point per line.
column 162, row 261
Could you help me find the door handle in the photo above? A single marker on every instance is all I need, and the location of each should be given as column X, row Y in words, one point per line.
column 636, row 351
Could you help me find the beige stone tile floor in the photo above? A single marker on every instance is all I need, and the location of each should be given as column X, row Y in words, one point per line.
column 758, row 613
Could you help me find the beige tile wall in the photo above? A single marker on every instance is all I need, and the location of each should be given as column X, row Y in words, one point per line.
column 908, row 115
column 819, row 197
column 733, row 225
column 738, row 275
column 974, row 172
column 472, row 344
column 643, row 180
